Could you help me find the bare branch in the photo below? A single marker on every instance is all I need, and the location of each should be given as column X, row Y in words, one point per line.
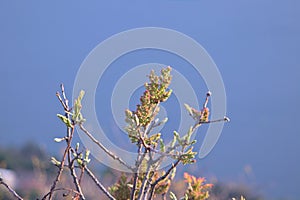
column 100, row 186
column 111, row 154
column 12, row 191
column 63, row 189
column 162, row 178
column 137, row 166
column 75, row 179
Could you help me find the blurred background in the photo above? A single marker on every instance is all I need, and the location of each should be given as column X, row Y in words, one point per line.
column 255, row 45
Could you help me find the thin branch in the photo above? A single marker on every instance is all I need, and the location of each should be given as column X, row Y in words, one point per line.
column 145, row 180
column 226, row 119
column 208, row 94
column 81, row 174
column 61, row 166
column 162, row 178
column 144, row 184
column 100, row 186
column 137, row 166
column 70, row 132
column 61, row 100
column 12, row 191
column 111, row 154
column 63, row 189
column 75, row 179
column 64, row 95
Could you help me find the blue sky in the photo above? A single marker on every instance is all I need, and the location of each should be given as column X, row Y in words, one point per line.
column 255, row 45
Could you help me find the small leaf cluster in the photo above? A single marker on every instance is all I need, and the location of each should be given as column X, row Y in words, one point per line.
column 201, row 116
column 77, row 117
column 197, row 189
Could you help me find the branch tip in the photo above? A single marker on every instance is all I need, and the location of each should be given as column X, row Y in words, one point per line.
column 226, row 119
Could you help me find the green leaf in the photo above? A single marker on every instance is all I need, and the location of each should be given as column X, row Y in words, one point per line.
column 188, row 135
column 173, row 141
column 65, row 120
column 189, row 109
column 77, row 116
column 86, row 157
column 79, row 162
column 176, row 134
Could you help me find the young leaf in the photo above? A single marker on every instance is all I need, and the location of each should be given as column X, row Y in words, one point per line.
column 162, row 145
column 65, row 120
column 189, row 109
column 77, row 117
column 55, row 162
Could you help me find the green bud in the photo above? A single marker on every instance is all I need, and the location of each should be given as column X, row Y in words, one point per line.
column 55, row 162
column 65, row 120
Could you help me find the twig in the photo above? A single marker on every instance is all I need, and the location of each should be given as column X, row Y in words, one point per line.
column 111, row 154
column 63, row 189
column 70, row 132
column 162, row 178
column 100, row 186
column 81, row 174
column 144, row 183
column 12, row 191
column 61, row 100
column 137, row 166
column 64, row 95
column 208, row 94
column 75, row 179
column 145, row 179
column 226, row 119
column 61, row 166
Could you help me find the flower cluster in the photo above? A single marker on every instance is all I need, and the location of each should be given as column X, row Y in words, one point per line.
column 156, row 92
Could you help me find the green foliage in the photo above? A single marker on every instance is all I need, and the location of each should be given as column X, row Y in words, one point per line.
column 65, row 120
column 121, row 190
column 76, row 115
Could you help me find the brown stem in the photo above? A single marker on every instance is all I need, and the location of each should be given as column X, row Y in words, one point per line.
column 162, row 178
column 137, row 166
column 70, row 132
column 12, row 191
column 61, row 166
column 100, row 186
column 63, row 189
column 75, row 179
column 111, row 154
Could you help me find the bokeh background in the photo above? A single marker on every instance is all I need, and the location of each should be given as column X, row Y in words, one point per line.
column 255, row 45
